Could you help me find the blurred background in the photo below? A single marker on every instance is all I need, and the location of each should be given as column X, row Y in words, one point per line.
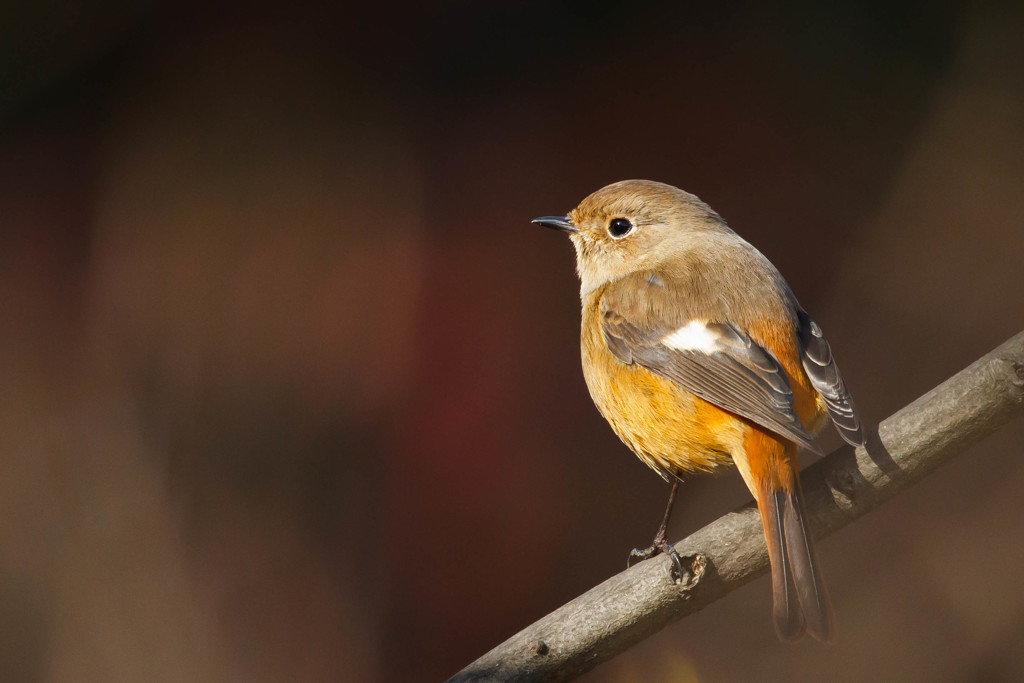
column 290, row 386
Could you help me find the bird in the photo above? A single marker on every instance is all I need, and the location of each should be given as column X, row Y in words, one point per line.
column 697, row 353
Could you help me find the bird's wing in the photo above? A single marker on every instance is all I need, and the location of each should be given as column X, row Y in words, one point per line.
column 816, row 356
column 718, row 362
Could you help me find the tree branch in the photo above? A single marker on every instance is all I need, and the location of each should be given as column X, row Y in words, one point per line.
column 730, row 551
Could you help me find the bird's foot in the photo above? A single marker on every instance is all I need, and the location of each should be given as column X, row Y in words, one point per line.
column 660, row 545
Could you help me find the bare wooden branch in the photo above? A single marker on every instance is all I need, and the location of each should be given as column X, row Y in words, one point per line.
column 730, row 551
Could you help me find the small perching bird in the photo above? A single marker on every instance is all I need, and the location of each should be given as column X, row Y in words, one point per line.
column 697, row 353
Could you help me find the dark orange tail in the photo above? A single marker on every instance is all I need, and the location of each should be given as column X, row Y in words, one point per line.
column 801, row 600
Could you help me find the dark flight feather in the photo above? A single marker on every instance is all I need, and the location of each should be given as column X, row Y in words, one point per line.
column 816, row 356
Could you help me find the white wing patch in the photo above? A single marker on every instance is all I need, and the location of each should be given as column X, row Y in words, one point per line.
column 693, row 336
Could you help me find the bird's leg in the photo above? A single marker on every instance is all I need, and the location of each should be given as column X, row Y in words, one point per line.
column 660, row 544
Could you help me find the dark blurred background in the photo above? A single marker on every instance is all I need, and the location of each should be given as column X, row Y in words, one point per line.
column 290, row 386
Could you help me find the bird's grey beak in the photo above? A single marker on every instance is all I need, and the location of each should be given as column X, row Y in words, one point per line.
column 556, row 223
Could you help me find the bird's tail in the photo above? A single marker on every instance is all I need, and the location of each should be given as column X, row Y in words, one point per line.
column 801, row 601
column 799, row 595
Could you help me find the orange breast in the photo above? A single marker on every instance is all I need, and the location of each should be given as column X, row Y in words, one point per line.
column 670, row 429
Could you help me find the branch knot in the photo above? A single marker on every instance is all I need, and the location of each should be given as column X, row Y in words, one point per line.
column 694, row 566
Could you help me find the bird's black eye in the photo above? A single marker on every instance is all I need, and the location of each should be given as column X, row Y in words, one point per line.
column 619, row 227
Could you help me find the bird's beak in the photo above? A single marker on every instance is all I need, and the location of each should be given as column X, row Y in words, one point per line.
column 556, row 223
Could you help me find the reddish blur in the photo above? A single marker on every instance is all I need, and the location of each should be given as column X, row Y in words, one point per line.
column 291, row 386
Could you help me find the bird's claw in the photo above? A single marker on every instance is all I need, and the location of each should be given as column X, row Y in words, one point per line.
column 660, row 545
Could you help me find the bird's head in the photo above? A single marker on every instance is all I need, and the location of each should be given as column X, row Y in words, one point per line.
column 631, row 226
